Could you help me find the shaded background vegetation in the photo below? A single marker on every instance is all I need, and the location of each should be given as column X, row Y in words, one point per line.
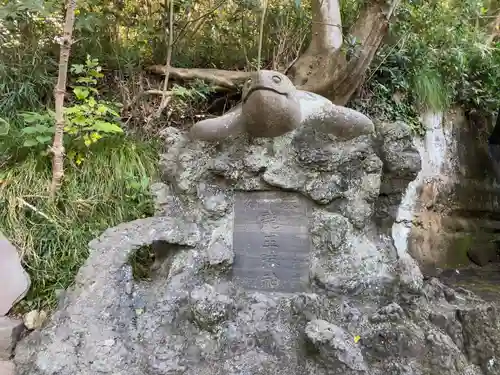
column 438, row 54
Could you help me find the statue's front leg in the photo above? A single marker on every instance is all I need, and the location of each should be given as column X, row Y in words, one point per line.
column 219, row 128
column 324, row 116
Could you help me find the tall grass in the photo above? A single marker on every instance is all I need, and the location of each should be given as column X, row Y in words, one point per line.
column 430, row 91
column 110, row 187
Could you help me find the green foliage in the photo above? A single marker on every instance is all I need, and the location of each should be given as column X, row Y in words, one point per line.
column 27, row 60
column 439, row 54
column 186, row 97
column 110, row 188
column 4, row 127
column 88, row 120
column 40, row 129
column 379, row 102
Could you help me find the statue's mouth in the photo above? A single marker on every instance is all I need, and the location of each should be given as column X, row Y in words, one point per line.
column 262, row 88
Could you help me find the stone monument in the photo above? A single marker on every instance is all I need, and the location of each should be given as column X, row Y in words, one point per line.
column 277, row 268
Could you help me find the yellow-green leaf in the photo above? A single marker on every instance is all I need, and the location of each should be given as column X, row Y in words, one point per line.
column 106, row 127
column 30, row 143
column 81, row 92
column 101, row 109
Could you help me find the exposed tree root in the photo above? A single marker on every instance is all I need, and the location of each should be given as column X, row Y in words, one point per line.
column 224, row 79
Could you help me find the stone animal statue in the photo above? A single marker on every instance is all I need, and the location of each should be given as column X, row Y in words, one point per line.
column 272, row 106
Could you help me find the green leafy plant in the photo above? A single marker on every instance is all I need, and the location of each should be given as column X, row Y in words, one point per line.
column 438, row 55
column 40, row 130
column 188, row 99
column 198, row 91
column 90, row 118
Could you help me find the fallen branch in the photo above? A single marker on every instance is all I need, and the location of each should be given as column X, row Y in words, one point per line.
column 227, row 79
column 36, row 210
column 155, row 92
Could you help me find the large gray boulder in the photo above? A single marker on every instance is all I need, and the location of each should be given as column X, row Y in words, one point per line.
column 365, row 312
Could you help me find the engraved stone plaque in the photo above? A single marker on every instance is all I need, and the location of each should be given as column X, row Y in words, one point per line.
column 271, row 241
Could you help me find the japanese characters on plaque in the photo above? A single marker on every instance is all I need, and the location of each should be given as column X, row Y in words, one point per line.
column 271, row 241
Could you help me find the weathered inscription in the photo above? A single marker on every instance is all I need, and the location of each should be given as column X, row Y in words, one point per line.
column 271, row 241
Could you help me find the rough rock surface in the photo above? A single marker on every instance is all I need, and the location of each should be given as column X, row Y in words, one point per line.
column 402, row 163
column 10, row 332
column 456, row 206
column 367, row 313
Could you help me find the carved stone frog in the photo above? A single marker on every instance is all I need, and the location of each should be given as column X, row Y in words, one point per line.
column 272, row 106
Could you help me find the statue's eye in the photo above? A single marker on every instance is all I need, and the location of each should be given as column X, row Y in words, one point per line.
column 276, row 79
column 249, row 81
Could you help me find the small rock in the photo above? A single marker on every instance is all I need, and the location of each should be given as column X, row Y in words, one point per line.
column 14, row 280
column 209, row 307
column 390, row 313
column 7, row 368
column 391, row 340
column 10, row 331
column 34, row 319
column 351, row 314
column 449, row 294
column 336, row 346
column 220, row 255
column 213, row 198
column 482, row 253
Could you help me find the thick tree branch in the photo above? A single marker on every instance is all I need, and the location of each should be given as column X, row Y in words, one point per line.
column 335, row 73
column 226, row 79
column 369, row 31
column 326, row 26
column 494, row 29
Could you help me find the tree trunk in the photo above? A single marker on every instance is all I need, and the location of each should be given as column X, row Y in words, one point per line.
column 324, row 68
column 494, row 29
column 59, row 91
column 328, row 70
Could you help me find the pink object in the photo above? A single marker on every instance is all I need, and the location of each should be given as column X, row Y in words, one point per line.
column 6, row 368
column 14, row 280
